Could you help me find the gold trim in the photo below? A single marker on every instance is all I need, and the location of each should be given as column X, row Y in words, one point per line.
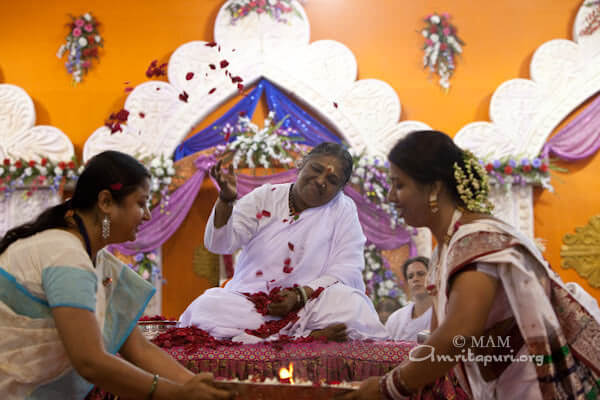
column 581, row 251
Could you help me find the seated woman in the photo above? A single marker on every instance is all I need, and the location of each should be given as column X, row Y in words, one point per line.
column 503, row 315
column 67, row 306
column 415, row 317
column 299, row 237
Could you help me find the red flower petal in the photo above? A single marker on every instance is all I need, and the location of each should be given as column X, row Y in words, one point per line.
column 70, row 164
column 128, row 89
column 211, row 44
column 272, row 189
column 227, row 136
column 212, row 66
column 236, row 79
column 32, row 163
column 284, row 220
column 272, row 280
column 189, row 76
column 287, row 261
column 184, row 96
column 259, row 273
column 240, row 86
column 287, row 269
column 335, row 104
column 259, row 215
column 266, row 213
column 142, row 115
column 224, row 63
column 291, row 246
column 211, row 91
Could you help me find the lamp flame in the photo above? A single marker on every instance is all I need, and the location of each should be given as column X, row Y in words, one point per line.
column 287, row 374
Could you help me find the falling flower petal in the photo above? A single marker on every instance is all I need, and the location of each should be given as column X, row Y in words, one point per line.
column 211, row 44
column 142, row 115
column 236, row 79
column 291, row 246
column 287, row 269
column 184, row 96
column 266, row 213
column 240, row 87
column 224, row 63
column 189, row 76
column 212, row 66
column 287, row 261
column 128, row 89
column 259, row 273
column 335, row 104
column 259, row 215
column 211, row 91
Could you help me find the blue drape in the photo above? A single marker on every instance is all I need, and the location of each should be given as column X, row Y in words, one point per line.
column 306, row 126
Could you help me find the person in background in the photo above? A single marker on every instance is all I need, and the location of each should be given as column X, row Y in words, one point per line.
column 407, row 322
column 489, row 282
column 67, row 306
column 386, row 307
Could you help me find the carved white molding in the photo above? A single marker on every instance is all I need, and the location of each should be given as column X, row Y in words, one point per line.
column 322, row 74
column 19, row 138
column 15, row 211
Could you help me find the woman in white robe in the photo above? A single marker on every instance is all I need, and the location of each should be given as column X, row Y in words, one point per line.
column 407, row 322
column 304, row 234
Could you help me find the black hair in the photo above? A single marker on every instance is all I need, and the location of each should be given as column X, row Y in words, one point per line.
column 336, row 150
column 110, row 170
column 421, row 259
column 429, row 156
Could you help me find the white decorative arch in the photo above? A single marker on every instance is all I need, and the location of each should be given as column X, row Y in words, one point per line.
column 322, row 74
column 525, row 112
column 20, row 138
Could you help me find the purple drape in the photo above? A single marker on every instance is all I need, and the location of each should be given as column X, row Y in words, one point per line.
column 165, row 222
column 580, row 138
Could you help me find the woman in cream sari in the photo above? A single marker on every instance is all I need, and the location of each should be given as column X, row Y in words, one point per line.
column 67, row 306
column 505, row 320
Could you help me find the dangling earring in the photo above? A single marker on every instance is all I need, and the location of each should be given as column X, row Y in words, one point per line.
column 105, row 227
column 433, row 203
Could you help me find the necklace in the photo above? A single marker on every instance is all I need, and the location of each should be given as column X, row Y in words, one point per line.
column 292, row 203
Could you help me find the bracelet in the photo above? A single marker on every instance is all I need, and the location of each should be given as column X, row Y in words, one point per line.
column 153, row 388
column 227, row 201
column 303, row 294
column 393, row 389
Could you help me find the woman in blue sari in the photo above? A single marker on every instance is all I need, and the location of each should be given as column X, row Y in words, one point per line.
column 67, row 306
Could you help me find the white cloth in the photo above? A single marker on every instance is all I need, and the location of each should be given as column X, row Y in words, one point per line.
column 324, row 247
column 401, row 325
column 590, row 303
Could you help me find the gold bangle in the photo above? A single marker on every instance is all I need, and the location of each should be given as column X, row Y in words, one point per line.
column 153, row 388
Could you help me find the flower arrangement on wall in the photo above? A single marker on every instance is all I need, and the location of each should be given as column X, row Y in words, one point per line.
column 379, row 278
column 441, row 47
column 276, row 9
column 266, row 147
column 162, row 171
column 369, row 176
column 592, row 20
column 82, row 45
column 146, row 265
column 34, row 174
column 510, row 171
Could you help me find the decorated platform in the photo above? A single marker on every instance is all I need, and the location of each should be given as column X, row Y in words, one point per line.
column 328, row 367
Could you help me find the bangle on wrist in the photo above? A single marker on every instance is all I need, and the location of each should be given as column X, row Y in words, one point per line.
column 153, row 388
column 302, row 292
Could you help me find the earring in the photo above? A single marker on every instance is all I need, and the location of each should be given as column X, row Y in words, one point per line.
column 433, row 203
column 105, row 227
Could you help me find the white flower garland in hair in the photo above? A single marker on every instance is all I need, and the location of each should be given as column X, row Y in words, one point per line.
column 473, row 184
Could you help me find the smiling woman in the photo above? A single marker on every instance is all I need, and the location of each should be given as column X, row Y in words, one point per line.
column 64, row 328
column 299, row 271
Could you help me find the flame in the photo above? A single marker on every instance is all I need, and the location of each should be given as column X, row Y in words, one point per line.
column 287, row 373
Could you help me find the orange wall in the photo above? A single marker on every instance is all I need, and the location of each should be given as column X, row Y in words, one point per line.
column 384, row 36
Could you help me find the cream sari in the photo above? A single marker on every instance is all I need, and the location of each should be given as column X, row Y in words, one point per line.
column 550, row 321
column 51, row 269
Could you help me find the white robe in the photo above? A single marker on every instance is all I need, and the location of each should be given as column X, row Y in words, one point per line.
column 401, row 326
column 328, row 245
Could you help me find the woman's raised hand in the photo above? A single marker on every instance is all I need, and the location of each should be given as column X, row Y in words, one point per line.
column 226, row 180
